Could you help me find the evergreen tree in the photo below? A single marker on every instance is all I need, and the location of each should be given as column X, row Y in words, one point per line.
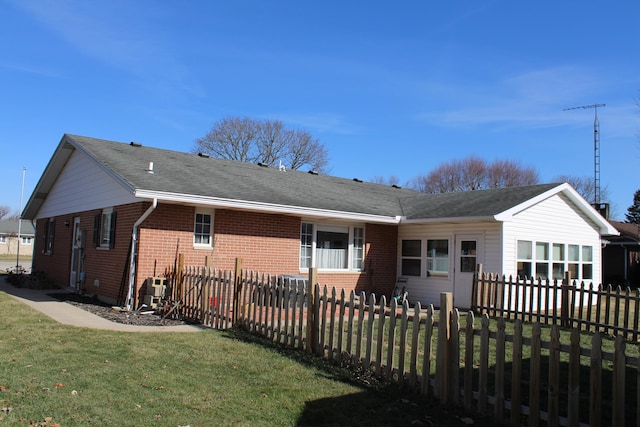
column 633, row 212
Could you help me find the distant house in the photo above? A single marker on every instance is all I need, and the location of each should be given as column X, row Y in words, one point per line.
column 9, row 230
column 621, row 256
column 109, row 215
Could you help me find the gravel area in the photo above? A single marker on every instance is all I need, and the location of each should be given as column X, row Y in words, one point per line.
column 108, row 312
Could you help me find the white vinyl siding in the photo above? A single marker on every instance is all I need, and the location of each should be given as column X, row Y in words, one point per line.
column 83, row 186
column 426, row 288
column 555, row 220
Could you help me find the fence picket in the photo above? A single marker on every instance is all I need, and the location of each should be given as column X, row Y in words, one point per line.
column 554, row 376
column 573, row 410
column 483, row 372
column 415, row 335
column 427, row 357
column 380, row 346
column 534, row 376
column 499, row 371
column 595, row 386
column 391, row 341
column 619, row 375
column 468, row 362
column 516, row 374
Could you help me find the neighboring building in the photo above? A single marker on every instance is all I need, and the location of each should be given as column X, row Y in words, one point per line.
column 9, row 240
column 621, row 256
column 109, row 215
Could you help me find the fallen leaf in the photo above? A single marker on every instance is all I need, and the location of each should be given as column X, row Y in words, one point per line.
column 6, row 410
column 63, row 371
column 59, row 385
column 4, row 388
column 46, row 389
column 74, row 393
column 138, row 406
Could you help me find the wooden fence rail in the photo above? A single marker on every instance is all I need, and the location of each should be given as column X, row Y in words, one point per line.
column 523, row 374
column 568, row 303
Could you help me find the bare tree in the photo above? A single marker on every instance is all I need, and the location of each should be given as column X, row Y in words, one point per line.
column 390, row 180
column 473, row 173
column 4, row 211
column 585, row 186
column 263, row 141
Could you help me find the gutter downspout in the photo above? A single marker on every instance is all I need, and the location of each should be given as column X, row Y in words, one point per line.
column 134, row 252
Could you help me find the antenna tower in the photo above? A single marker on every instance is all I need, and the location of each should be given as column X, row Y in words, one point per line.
column 596, row 150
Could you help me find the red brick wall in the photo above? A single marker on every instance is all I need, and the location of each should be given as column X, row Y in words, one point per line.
column 267, row 243
column 56, row 265
column 105, row 265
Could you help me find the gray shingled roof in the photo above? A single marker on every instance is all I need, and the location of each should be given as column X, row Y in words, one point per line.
column 189, row 174
column 481, row 203
column 183, row 173
column 8, row 226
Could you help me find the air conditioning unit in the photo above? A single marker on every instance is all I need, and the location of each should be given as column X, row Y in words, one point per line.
column 156, row 286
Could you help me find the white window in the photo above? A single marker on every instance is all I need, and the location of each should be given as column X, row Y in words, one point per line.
column 3, row 239
column 337, row 247
column 525, row 257
column 26, row 240
column 411, row 258
column 203, row 229
column 49, row 235
column 106, row 225
column 558, row 261
column 575, row 259
column 438, row 257
column 587, row 262
column 542, row 260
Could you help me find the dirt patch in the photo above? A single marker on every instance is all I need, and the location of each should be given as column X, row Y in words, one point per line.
column 106, row 311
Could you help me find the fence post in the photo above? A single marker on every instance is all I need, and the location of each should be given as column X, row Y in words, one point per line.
column 564, row 296
column 443, row 375
column 475, row 289
column 180, row 275
column 237, row 289
column 312, row 322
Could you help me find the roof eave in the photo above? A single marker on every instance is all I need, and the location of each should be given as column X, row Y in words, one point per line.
column 302, row 211
column 454, row 219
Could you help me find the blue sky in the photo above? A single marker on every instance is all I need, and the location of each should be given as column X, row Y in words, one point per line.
column 390, row 88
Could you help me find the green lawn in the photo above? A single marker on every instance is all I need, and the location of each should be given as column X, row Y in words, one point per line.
column 74, row 376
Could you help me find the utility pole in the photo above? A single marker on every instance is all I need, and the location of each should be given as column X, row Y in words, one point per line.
column 24, row 170
column 596, row 151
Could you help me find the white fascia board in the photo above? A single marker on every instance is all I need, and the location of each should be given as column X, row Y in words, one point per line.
column 302, row 211
column 448, row 220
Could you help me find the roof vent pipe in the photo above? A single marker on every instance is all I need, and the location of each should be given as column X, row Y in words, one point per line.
column 150, row 170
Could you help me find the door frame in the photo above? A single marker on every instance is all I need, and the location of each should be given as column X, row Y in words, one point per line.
column 77, row 249
column 463, row 281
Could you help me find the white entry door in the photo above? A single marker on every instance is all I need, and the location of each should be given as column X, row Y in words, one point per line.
column 76, row 256
column 468, row 253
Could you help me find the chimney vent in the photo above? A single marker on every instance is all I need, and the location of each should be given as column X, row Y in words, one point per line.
column 150, row 170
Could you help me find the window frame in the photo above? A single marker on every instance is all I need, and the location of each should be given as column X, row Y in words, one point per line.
column 355, row 251
column 209, row 244
column 49, row 236
column 561, row 258
column 106, row 229
column 410, row 258
column 441, row 274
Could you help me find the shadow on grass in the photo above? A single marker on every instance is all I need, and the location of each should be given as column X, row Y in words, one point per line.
column 379, row 403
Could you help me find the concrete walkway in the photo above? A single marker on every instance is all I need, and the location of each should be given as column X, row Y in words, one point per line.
column 68, row 314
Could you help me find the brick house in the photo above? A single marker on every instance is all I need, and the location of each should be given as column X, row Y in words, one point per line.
column 109, row 215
